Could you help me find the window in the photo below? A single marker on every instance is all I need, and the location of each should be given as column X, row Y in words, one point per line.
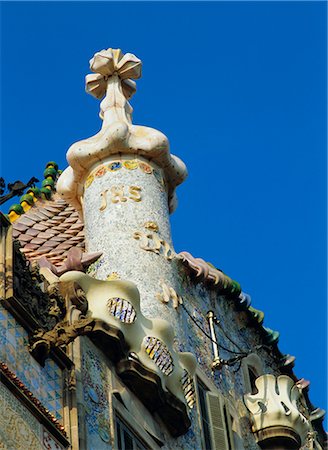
column 252, row 368
column 214, row 418
column 202, row 396
column 252, row 377
column 126, row 438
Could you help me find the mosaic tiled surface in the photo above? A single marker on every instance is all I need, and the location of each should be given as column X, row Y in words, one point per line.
column 19, row 429
column 46, row 383
column 95, row 380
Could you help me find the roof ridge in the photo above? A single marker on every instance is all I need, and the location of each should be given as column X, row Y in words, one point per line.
column 33, row 194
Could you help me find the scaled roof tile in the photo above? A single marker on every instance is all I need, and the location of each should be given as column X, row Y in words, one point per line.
column 50, row 228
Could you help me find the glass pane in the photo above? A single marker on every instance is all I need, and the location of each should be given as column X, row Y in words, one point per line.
column 204, row 415
column 118, row 434
column 128, row 442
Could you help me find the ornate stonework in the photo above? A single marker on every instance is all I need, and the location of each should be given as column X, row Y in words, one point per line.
column 112, row 79
column 276, row 410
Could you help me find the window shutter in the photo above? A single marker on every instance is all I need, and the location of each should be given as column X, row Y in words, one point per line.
column 217, row 422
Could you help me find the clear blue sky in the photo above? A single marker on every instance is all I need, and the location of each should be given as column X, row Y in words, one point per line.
column 240, row 90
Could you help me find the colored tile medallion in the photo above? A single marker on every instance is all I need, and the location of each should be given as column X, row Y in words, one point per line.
column 114, row 166
column 46, row 383
column 130, row 164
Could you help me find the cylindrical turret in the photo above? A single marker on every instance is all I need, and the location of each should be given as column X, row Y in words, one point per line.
column 123, row 180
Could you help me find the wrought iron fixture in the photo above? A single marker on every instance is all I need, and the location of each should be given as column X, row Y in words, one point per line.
column 16, row 188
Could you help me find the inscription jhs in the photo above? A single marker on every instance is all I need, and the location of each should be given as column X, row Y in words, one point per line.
column 120, row 194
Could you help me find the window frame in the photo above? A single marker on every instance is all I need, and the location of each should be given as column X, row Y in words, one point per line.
column 120, row 412
column 251, row 363
column 201, row 379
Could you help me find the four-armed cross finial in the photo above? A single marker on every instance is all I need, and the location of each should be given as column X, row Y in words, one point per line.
column 112, row 79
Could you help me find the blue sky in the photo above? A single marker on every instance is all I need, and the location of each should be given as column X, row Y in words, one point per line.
column 240, row 90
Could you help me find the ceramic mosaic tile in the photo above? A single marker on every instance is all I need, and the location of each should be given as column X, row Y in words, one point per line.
column 95, row 380
column 19, row 429
column 46, row 383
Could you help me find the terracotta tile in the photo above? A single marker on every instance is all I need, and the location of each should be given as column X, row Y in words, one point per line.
column 55, row 232
column 38, row 241
column 29, row 247
column 50, row 245
column 65, row 235
column 19, row 226
column 46, row 234
column 55, row 253
column 41, row 216
column 33, row 214
column 71, row 220
column 64, row 246
column 58, row 239
column 75, row 239
column 25, row 238
column 71, row 232
column 16, row 233
column 40, row 227
column 77, row 226
column 39, row 252
column 46, row 212
column 52, row 221
column 65, row 213
column 26, row 221
column 32, row 231
column 52, row 207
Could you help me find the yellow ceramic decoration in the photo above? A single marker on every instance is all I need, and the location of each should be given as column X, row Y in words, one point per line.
column 13, row 216
column 130, row 164
column 26, row 206
column 89, row 181
column 113, row 276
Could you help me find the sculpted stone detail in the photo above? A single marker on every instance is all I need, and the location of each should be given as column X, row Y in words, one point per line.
column 152, row 242
column 275, row 410
column 169, row 294
column 76, row 260
column 121, row 296
column 112, row 81
column 41, row 342
column 48, row 307
column 120, row 194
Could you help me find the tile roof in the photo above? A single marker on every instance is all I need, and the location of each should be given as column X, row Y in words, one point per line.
column 50, row 228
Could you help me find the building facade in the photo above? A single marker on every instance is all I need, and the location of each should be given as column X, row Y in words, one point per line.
column 112, row 340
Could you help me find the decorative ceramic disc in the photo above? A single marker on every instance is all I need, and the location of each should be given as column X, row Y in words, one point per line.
column 145, row 167
column 113, row 166
column 130, row 164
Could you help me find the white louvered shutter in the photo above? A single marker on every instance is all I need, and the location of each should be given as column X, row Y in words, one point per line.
column 217, row 422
